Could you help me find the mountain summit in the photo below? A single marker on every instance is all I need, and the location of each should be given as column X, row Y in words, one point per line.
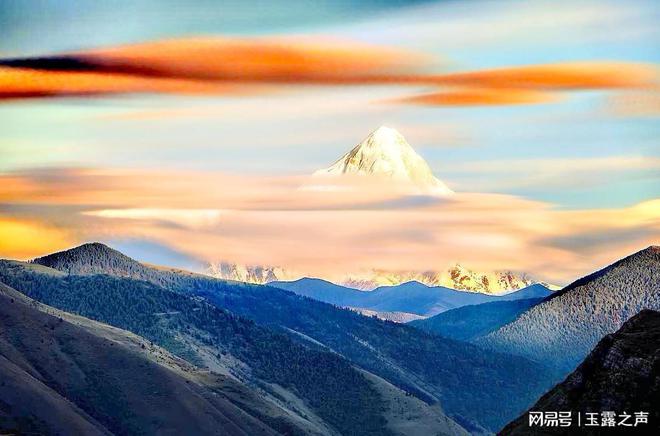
column 386, row 153
column 91, row 258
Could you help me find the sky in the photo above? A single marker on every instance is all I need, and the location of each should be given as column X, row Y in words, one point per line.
column 182, row 131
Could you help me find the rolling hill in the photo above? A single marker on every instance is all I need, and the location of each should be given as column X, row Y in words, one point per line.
column 621, row 374
column 457, row 375
column 470, row 322
column 562, row 330
column 64, row 374
column 315, row 384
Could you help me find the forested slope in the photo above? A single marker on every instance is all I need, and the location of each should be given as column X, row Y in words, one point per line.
column 203, row 334
column 564, row 328
column 67, row 375
column 469, row 322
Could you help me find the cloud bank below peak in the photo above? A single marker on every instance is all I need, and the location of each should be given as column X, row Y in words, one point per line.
column 269, row 221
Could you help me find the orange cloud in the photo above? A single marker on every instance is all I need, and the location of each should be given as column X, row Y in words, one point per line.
column 561, row 76
column 24, row 83
column 480, row 96
column 215, row 65
column 271, row 60
column 200, row 66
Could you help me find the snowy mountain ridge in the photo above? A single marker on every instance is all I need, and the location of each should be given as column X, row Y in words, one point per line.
column 455, row 277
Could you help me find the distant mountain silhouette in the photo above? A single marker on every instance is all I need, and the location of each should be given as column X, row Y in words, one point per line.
column 322, row 290
column 566, row 326
column 410, row 297
column 622, row 374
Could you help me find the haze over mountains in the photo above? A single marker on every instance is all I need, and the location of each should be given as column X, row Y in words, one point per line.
column 410, row 297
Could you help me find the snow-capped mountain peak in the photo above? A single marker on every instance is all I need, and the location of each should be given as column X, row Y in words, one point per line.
column 386, row 153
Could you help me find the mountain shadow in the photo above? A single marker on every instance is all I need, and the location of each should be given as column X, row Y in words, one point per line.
column 622, row 375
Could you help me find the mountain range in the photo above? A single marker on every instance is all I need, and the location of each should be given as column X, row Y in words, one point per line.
column 454, row 277
column 411, row 297
column 285, row 372
column 65, row 374
column 293, row 337
column 290, row 363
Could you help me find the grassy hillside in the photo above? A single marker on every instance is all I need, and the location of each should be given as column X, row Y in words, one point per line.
column 68, row 375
